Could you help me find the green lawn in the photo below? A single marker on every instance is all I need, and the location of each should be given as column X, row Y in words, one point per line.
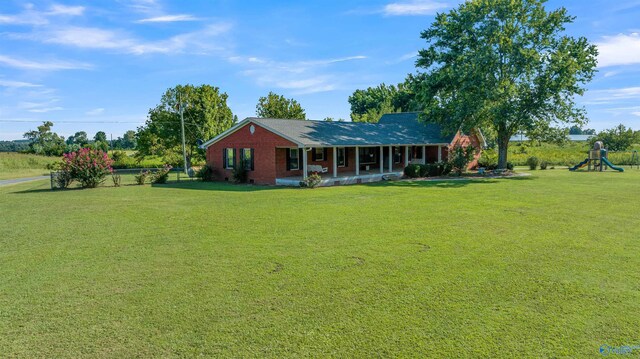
column 540, row 266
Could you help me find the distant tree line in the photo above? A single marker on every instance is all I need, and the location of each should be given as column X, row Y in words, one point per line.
column 14, row 146
column 205, row 112
column 43, row 141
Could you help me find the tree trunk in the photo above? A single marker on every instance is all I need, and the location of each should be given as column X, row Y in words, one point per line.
column 503, row 145
column 188, row 160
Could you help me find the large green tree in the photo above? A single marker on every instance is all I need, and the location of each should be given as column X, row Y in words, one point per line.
column 370, row 104
column 80, row 138
column 206, row 114
column 100, row 136
column 43, row 141
column 618, row 138
column 278, row 106
column 126, row 142
column 506, row 65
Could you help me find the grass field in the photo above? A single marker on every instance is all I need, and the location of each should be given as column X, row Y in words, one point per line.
column 19, row 165
column 539, row 266
column 566, row 155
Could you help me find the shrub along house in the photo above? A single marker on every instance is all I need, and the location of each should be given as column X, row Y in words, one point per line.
column 283, row 152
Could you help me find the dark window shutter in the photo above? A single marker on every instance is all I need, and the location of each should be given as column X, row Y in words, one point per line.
column 300, row 154
column 313, row 154
column 346, row 157
column 251, row 159
column 325, row 153
column 288, row 158
column 224, row 158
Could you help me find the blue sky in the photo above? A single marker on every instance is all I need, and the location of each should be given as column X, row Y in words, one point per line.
column 100, row 65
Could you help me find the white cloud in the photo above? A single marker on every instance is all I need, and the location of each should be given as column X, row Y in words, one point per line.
column 31, row 16
column 620, row 49
column 145, row 6
column 403, row 58
column 155, row 12
column 169, row 18
column 416, row 7
column 51, row 65
column 45, row 109
column 40, row 107
column 86, row 37
column 95, row 112
column 625, row 93
column 615, row 103
column 301, row 77
column 17, row 84
column 57, row 9
column 200, row 41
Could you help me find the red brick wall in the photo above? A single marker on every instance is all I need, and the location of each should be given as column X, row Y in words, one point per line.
column 264, row 144
column 466, row 140
column 281, row 164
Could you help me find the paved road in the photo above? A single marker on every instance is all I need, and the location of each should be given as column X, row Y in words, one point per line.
column 20, row 180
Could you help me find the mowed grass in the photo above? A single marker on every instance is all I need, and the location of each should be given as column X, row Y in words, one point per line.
column 19, row 165
column 540, row 266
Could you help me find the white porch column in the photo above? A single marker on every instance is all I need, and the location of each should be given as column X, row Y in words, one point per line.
column 406, row 156
column 390, row 158
column 424, row 155
column 381, row 159
column 357, row 161
column 335, row 162
column 304, row 162
column 439, row 153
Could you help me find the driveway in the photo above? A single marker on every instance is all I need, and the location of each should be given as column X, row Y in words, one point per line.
column 20, row 180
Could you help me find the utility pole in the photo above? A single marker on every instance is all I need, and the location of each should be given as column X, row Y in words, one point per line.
column 184, row 149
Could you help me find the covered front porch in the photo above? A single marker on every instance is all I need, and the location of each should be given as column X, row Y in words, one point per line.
column 342, row 179
column 351, row 164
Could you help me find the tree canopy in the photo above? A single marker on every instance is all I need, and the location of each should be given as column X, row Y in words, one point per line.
column 277, row 106
column 370, row 104
column 100, row 137
column 80, row 138
column 206, row 114
column 505, row 65
column 619, row 138
column 126, row 142
column 43, row 141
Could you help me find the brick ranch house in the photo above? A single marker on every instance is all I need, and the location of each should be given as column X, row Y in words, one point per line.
column 283, row 152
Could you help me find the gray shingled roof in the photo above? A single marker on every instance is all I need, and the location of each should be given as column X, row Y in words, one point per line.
column 393, row 129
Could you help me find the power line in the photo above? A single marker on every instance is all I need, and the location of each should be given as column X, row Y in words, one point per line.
column 38, row 121
column 82, row 122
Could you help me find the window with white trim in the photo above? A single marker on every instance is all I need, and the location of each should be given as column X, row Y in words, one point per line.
column 247, row 158
column 229, row 158
column 318, row 154
column 293, row 159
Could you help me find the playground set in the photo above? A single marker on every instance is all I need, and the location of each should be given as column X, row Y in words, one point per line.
column 597, row 160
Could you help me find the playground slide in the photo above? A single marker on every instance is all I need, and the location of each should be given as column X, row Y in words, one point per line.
column 606, row 162
column 580, row 165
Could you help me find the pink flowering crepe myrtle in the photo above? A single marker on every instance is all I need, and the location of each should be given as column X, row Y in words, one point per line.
column 87, row 166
